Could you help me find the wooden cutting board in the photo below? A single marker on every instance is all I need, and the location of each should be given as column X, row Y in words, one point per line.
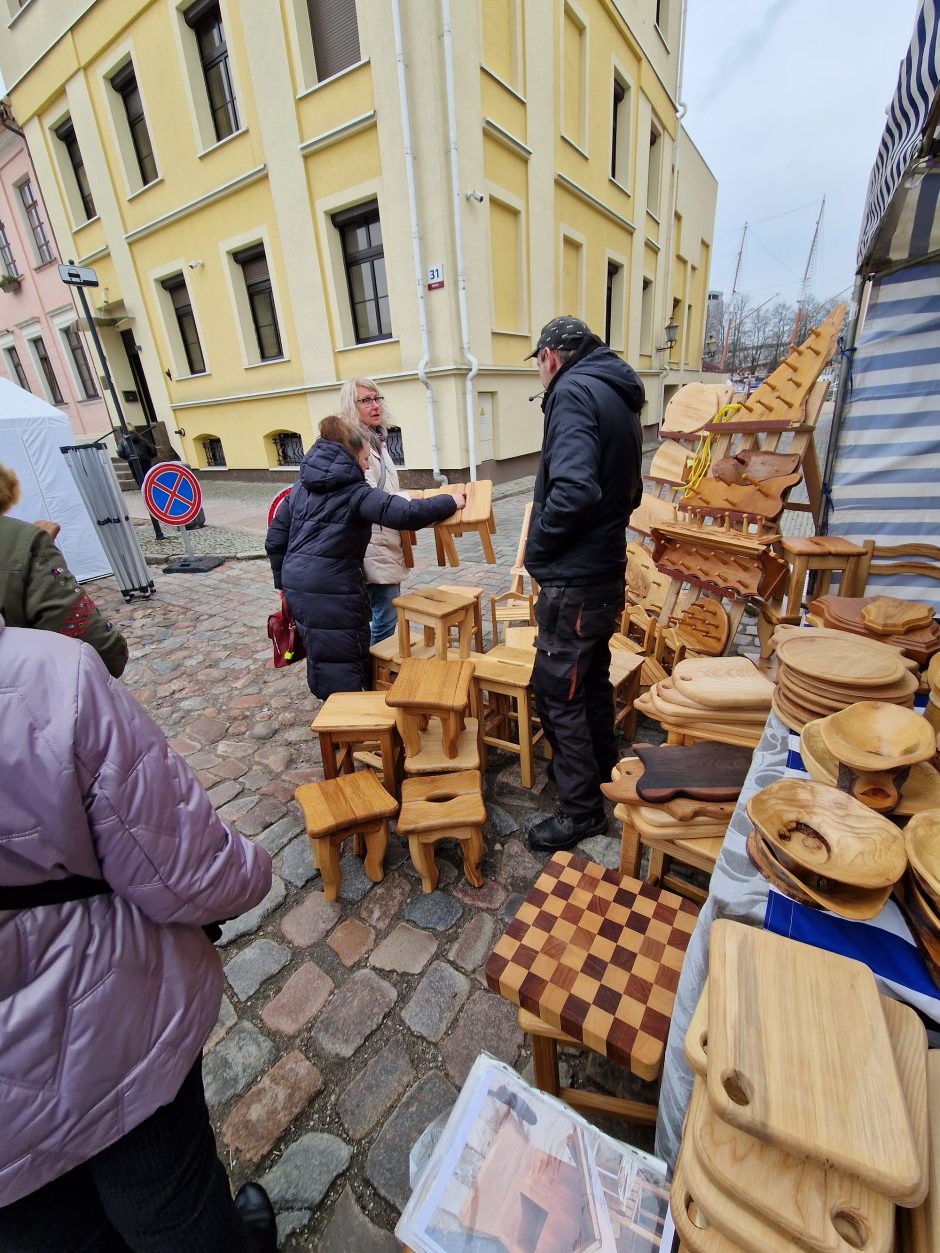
column 888, row 615
column 699, row 830
column 852, row 660
column 673, row 704
column 694, row 1230
column 786, row 630
column 753, row 465
column 693, row 406
column 919, row 1229
column 700, row 771
column 799, row 1055
column 844, row 693
column 723, row 683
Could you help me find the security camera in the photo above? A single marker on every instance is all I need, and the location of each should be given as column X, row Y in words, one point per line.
column 475, row 195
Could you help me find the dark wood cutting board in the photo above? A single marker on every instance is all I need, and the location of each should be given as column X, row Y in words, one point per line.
column 710, row 772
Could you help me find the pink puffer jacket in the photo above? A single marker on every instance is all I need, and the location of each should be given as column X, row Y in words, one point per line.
column 105, row 1002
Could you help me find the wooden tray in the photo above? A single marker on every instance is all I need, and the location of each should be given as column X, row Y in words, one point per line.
column 699, row 771
column 723, row 683
column 787, row 630
column 827, row 832
column 844, row 694
column 851, row 661
column 799, row 1055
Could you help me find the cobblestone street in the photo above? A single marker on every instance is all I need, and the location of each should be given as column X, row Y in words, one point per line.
column 346, row 1027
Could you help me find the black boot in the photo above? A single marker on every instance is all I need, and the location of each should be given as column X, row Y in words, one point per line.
column 257, row 1214
column 562, row 831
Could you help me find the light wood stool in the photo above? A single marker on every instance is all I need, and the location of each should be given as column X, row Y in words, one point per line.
column 349, row 720
column 816, row 558
column 448, row 807
column 352, row 805
column 625, row 672
column 476, row 592
column 385, row 658
column 437, row 611
column 424, row 689
column 506, row 675
column 700, row 854
column 476, row 515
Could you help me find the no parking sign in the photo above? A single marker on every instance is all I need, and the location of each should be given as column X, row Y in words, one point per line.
column 172, row 493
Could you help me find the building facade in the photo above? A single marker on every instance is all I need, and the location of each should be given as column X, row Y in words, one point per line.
column 277, row 195
column 42, row 347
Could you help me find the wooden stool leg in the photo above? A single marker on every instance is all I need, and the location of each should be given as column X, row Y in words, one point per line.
column 545, row 1064
column 376, row 839
column 422, row 858
column 328, row 755
column 390, row 779
column 523, row 707
column 465, row 629
column 359, row 844
column 629, row 849
column 404, row 633
column 656, row 866
column 409, row 733
column 765, row 631
column 326, row 855
column 472, row 850
column 487, row 544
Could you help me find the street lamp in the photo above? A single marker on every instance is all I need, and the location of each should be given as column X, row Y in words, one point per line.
column 671, row 331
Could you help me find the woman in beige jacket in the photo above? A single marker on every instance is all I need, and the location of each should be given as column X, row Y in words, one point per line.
column 361, row 404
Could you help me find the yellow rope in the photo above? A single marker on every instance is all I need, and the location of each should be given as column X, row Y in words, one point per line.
column 702, row 457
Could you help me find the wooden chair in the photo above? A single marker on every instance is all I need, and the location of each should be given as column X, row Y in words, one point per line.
column 920, row 561
column 351, row 720
column 516, row 605
column 353, row 805
column 444, row 807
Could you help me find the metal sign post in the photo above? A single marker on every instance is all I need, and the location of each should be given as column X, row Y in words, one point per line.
column 173, row 496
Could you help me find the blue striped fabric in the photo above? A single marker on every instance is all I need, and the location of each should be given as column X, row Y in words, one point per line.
column 887, row 469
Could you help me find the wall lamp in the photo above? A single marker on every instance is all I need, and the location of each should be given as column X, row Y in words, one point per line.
column 672, row 334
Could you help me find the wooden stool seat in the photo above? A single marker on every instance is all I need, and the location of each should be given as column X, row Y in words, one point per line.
column 819, row 546
column 596, row 956
column 437, row 611
column 444, row 807
column 385, row 658
column 351, row 805
column 426, row 688
column 349, row 720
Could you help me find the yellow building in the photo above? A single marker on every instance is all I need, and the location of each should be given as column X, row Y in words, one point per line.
column 277, row 195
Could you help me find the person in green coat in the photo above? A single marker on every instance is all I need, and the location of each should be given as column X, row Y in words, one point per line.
column 38, row 590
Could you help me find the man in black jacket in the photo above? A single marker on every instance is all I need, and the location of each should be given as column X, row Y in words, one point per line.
column 587, row 485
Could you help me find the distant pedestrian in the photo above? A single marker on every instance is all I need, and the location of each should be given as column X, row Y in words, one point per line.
column 37, row 590
column 362, row 404
column 316, row 544
column 112, row 860
column 140, row 443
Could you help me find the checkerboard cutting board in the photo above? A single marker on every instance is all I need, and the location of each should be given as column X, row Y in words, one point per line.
column 597, row 956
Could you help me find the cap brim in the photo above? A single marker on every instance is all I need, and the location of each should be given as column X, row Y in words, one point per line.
column 529, row 356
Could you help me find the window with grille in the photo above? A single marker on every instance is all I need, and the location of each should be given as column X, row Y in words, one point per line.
column 175, row 288
column 124, row 83
column 205, row 21
column 213, row 450
column 16, row 367
column 364, row 261
column 45, row 364
column 335, row 34
column 66, row 133
column 36, row 224
column 257, row 277
column 6, row 254
column 289, row 447
column 80, row 360
column 395, row 445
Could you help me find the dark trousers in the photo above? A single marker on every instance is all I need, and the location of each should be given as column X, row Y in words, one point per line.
column 159, row 1189
column 571, row 686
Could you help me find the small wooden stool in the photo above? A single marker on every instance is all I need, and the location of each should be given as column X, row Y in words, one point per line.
column 700, row 854
column 595, row 958
column 506, row 674
column 476, row 592
column 816, row 558
column 347, row 721
column 625, row 673
column 437, row 611
column 351, row 805
column 431, row 757
column 476, row 515
column 427, row 689
column 385, row 659
column 446, row 807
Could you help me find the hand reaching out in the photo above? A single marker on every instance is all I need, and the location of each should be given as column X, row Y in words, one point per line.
column 459, row 499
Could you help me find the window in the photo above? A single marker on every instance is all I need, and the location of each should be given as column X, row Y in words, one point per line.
column 573, row 83
column 662, row 14
column 45, row 365
column 646, row 319
column 335, row 34
column 66, row 134
column 289, row 447
column 364, row 261
column 205, row 21
column 34, row 218
column 254, row 265
column 6, row 255
column 654, row 171
column 175, row 288
column 213, row 451
column 76, row 349
column 124, row 83
column 613, row 322
column 620, row 133
column 394, row 445
column 16, row 368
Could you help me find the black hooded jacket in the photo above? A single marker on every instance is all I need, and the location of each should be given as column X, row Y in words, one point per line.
column 588, row 480
column 316, row 543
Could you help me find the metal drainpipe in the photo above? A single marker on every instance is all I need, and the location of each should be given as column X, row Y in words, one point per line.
column 458, row 237
column 681, row 110
column 416, row 243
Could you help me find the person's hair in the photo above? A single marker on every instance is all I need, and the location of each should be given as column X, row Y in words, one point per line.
column 348, row 409
column 338, row 431
column 9, row 489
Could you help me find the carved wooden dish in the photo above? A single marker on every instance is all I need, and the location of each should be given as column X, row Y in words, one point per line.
column 875, row 735
column 859, row 904
column 922, row 839
column 825, row 832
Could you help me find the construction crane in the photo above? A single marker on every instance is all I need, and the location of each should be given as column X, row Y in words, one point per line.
column 734, row 288
column 808, row 277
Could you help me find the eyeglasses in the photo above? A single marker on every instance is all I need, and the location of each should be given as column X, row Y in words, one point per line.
column 370, row 400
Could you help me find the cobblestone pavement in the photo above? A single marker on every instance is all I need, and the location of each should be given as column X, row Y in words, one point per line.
column 346, row 1027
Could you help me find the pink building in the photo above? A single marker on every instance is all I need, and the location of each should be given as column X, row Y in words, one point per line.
column 41, row 347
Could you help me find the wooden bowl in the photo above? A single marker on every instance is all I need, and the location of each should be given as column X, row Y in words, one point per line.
column 859, row 904
column 826, row 832
column 819, row 762
column 873, row 736
column 922, row 839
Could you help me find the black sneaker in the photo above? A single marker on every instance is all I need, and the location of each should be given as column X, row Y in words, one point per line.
column 561, row 831
column 257, row 1214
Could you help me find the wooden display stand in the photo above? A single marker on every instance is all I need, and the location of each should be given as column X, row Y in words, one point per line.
column 352, row 805
column 445, row 807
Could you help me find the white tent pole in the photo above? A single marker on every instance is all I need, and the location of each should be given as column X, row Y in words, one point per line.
column 838, row 409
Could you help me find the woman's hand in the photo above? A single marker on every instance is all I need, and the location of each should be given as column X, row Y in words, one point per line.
column 459, row 499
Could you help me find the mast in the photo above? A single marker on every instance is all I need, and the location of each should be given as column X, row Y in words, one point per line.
column 734, row 288
column 807, row 276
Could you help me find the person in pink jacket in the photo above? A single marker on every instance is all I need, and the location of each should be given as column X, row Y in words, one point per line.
column 112, row 860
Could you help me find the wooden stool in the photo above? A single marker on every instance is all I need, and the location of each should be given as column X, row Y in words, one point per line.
column 437, row 611
column 506, row 674
column 351, row 805
column 385, row 658
column 595, row 957
column 477, row 593
column 446, row 807
column 424, row 689
column 351, row 719
column 625, row 673
column 816, row 557
column 700, row 854
column 431, row 757
column 476, row 515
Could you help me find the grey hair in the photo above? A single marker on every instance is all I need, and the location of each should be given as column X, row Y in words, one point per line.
column 348, row 410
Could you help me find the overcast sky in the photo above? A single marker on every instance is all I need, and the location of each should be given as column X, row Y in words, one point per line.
column 786, row 102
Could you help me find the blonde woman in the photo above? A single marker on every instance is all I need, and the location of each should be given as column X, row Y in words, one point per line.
column 361, row 405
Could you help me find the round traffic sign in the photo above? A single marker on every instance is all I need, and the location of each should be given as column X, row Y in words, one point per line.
column 276, row 503
column 172, row 493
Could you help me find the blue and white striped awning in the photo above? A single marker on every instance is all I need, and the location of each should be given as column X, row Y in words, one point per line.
column 908, row 115
column 887, row 468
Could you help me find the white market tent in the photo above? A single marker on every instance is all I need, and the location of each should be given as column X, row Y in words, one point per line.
column 32, row 433
column 883, row 464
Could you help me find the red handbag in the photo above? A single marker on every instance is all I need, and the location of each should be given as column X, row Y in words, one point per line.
column 284, row 635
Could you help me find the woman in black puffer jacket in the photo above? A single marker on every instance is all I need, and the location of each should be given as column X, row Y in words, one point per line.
column 316, row 544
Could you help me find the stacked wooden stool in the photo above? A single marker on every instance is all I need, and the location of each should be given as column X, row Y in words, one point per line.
column 436, row 610
column 352, row 805
column 350, row 720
